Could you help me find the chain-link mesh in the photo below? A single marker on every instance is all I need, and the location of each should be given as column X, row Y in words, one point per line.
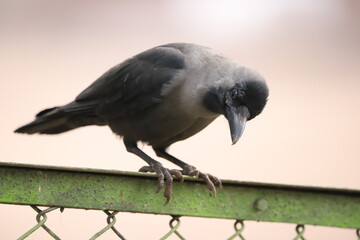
column 111, row 220
column 238, row 230
column 174, row 224
column 173, row 229
column 300, row 230
column 41, row 219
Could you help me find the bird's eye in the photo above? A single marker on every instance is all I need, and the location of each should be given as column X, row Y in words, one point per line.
column 233, row 93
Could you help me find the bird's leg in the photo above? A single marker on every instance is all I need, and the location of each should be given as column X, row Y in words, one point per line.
column 164, row 174
column 189, row 170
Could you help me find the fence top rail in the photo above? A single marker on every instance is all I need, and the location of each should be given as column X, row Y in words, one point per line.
column 135, row 192
column 343, row 191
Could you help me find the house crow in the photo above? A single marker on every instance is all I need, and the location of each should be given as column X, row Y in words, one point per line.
column 161, row 96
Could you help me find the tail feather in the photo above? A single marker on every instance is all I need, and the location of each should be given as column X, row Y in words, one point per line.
column 46, row 122
column 61, row 119
column 43, row 112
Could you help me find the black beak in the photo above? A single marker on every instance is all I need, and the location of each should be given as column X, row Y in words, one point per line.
column 237, row 117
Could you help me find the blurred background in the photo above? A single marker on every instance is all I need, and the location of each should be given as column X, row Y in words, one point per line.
column 309, row 52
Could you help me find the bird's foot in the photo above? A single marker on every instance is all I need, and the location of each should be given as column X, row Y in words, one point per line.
column 164, row 178
column 209, row 179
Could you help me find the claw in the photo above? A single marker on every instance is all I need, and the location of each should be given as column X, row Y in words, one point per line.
column 209, row 179
column 164, row 178
column 209, row 183
column 160, row 184
column 159, row 173
column 215, row 180
column 168, row 186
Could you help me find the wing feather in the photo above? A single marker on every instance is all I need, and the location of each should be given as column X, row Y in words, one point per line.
column 134, row 84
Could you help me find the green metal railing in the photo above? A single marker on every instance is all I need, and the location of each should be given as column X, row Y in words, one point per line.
column 117, row 191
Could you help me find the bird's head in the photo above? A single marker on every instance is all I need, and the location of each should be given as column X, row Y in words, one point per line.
column 239, row 99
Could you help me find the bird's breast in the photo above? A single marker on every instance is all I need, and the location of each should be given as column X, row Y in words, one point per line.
column 162, row 123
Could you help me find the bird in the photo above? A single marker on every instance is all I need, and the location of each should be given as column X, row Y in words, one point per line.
column 161, row 96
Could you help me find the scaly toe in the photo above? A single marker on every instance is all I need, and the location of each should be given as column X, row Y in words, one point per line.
column 190, row 171
column 209, row 179
column 168, row 185
column 177, row 174
column 215, row 180
column 208, row 182
column 146, row 169
column 164, row 178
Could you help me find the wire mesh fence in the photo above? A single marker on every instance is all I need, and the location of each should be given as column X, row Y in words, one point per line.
column 174, row 224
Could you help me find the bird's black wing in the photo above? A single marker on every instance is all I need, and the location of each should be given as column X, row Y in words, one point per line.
column 132, row 85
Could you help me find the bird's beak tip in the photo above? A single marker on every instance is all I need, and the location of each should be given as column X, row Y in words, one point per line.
column 234, row 140
column 237, row 121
